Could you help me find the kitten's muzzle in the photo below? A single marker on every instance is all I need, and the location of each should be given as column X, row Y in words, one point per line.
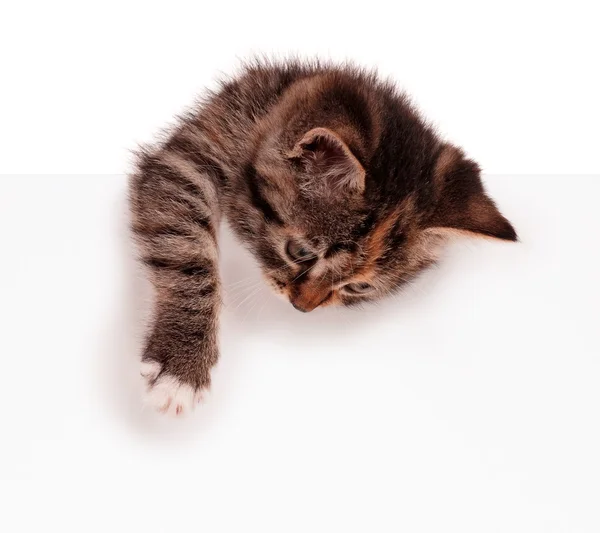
column 306, row 300
column 301, row 309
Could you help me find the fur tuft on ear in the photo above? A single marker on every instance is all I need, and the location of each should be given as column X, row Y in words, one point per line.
column 325, row 155
column 461, row 202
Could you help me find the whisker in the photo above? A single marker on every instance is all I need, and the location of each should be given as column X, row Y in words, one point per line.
column 235, row 294
column 253, row 305
column 239, row 282
column 255, row 291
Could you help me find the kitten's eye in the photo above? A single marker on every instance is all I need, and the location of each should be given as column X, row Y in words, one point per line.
column 298, row 253
column 358, row 288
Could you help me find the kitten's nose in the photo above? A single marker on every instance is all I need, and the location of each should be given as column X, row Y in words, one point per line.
column 301, row 309
column 303, row 304
column 306, row 301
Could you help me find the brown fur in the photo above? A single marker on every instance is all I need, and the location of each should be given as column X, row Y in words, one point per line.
column 329, row 156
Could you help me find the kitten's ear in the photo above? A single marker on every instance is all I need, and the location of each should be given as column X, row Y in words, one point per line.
column 461, row 201
column 326, row 155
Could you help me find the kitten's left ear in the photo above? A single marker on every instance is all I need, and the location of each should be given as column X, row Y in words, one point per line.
column 461, row 201
column 325, row 154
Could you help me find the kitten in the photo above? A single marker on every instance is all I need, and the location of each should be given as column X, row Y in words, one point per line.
column 331, row 178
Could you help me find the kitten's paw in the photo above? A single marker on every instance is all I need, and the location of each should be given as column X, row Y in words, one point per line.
column 167, row 394
column 150, row 370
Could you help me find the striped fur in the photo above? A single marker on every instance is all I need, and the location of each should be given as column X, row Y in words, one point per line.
column 327, row 158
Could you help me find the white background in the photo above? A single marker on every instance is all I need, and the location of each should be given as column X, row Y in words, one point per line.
column 469, row 403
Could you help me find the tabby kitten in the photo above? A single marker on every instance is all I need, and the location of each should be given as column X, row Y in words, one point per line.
column 330, row 177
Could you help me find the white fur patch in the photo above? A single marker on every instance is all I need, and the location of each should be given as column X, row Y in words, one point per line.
column 150, row 370
column 167, row 394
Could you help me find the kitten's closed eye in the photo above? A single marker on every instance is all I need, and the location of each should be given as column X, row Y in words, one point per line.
column 298, row 252
column 358, row 288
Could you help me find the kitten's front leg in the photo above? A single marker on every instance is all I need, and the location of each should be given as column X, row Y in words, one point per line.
column 182, row 347
column 175, row 213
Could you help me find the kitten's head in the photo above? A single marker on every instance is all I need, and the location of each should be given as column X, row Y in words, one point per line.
column 344, row 214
